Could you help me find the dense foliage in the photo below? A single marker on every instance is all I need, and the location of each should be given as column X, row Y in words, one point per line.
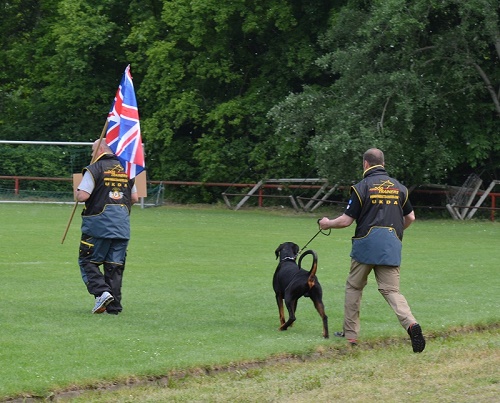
column 242, row 90
column 421, row 81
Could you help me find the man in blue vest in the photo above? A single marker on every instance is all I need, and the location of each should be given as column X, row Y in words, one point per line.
column 108, row 195
column 382, row 211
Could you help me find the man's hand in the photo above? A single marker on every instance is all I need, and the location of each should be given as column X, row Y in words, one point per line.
column 339, row 222
column 323, row 223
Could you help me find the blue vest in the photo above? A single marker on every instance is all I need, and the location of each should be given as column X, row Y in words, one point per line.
column 380, row 225
column 107, row 210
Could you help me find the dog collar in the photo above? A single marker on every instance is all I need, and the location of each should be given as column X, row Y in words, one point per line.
column 288, row 258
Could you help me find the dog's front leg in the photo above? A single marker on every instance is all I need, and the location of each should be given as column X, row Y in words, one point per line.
column 279, row 301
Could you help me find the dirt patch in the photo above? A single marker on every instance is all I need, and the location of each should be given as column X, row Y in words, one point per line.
column 321, row 352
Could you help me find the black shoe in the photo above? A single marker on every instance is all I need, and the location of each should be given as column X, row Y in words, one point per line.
column 417, row 338
column 352, row 342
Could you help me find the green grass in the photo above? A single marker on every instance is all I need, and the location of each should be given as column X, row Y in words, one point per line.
column 197, row 293
column 458, row 368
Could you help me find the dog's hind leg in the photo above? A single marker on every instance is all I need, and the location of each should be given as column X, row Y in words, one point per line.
column 318, row 304
column 279, row 301
column 291, row 314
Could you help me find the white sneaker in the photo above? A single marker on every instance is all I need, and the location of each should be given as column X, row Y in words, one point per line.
column 101, row 302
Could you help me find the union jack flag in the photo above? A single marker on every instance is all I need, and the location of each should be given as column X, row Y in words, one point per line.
column 124, row 131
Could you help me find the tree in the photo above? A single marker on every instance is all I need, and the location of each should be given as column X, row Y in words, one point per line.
column 407, row 81
column 22, row 22
column 61, row 68
column 214, row 69
column 242, row 90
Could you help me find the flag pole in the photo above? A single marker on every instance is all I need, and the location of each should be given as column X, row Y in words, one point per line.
column 76, row 201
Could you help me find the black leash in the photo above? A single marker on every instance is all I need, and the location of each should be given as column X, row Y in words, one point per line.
column 317, row 233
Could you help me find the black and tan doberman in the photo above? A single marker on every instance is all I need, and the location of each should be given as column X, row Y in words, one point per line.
column 290, row 282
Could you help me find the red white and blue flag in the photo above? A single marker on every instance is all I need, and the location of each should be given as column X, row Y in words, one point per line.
column 124, row 131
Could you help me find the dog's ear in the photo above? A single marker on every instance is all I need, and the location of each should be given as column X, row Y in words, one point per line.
column 295, row 249
column 277, row 251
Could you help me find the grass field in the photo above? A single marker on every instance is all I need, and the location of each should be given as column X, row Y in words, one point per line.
column 198, row 295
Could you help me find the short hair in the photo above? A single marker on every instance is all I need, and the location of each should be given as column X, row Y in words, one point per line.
column 102, row 145
column 374, row 156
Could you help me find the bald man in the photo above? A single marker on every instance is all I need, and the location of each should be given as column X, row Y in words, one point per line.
column 380, row 206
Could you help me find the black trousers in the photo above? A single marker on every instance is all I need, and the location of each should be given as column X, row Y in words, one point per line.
column 111, row 255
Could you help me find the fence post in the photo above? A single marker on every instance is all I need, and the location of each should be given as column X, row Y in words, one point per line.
column 493, row 206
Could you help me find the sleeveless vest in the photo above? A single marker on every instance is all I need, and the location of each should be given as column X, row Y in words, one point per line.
column 107, row 210
column 380, row 225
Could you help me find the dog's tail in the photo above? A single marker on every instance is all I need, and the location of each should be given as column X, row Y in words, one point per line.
column 314, row 266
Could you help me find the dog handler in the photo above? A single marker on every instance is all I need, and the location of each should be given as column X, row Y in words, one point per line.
column 108, row 195
column 382, row 211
